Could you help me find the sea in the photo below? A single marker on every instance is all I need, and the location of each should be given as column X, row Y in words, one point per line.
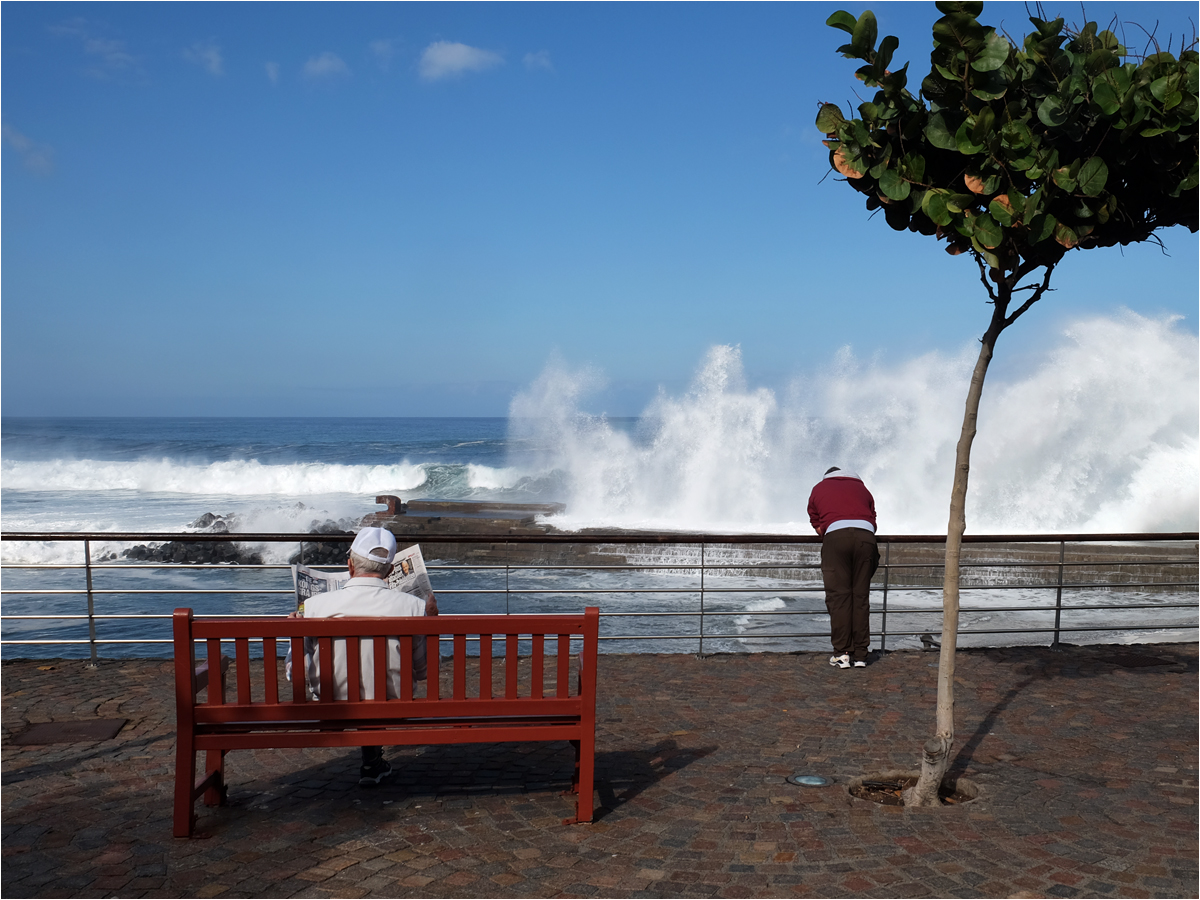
column 1100, row 436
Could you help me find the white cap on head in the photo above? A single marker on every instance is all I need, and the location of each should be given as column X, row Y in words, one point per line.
column 378, row 544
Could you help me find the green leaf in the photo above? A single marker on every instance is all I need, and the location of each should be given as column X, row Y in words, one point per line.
column 1015, row 135
column 1062, row 178
column 1106, row 98
column 963, row 142
column 1066, row 236
column 893, row 186
column 914, row 166
column 938, row 134
column 1041, row 228
column 965, row 7
column 865, row 31
column 985, row 119
column 1092, row 177
column 1000, row 212
column 1033, row 205
column 933, row 204
column 883, row 58
column 1160, row 87
column 829, row 117
column 994, row 55
column 843, row 20
column 988, row 232
column 1051, row 112
column 960, row 31
column 956, row 203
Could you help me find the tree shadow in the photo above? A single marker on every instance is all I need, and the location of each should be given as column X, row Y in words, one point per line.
column 1086, row 661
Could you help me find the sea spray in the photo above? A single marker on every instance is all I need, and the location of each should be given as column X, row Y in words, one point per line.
column 1100, row 436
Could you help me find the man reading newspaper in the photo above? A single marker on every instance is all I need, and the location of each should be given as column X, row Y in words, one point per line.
column 367, row 593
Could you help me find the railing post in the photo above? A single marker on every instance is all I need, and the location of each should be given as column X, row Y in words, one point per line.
column 302, row 553
column 1062, row 553
column 87, row 568
column 507, row 569
column 701, row 651
column 887, row 558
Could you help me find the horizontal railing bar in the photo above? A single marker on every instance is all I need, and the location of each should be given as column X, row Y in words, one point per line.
column 656, row 537
column 678, row 613
column 153, row 591
column 706, row 636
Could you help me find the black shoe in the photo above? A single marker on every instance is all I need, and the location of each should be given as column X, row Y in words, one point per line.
column 369, row 776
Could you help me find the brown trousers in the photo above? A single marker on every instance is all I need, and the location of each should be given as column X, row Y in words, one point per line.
column 849, row 557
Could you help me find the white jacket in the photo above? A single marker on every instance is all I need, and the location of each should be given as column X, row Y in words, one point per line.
column 364, row 596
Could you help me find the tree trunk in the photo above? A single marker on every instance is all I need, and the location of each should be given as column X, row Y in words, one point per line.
column 936, row 756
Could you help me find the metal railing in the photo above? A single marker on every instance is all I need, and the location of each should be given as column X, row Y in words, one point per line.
column 895, row 576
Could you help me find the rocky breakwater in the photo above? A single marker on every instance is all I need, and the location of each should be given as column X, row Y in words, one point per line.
column 199, row 551
column 488, row 523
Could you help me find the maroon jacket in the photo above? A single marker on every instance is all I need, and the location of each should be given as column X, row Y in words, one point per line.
column 834, row 498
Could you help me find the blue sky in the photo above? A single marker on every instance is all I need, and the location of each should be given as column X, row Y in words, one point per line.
column 405, row 209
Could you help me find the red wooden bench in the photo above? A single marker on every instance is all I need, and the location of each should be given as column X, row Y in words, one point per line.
column 265, row 711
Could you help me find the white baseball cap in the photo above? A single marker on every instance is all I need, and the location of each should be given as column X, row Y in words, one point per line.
column 370, row 541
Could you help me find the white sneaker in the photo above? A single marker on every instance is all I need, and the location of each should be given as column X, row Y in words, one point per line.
column 860, row 664
column 842, row 662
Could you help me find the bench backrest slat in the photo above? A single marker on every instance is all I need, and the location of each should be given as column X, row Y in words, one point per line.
column 216, row 692
column 242, row 656
column 537, row 677
column 564, row 665
column 485, row 666
column 270, row 671
column 510, row 666
column 298, row 673
column 381, row 664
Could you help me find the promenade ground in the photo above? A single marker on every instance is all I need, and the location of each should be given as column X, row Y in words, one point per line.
column 1086, row 759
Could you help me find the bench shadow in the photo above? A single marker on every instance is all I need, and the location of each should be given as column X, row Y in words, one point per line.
column 466, row 770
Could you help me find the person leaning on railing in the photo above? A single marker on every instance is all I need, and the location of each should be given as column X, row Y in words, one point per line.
column 367, row 594
column 842, row 511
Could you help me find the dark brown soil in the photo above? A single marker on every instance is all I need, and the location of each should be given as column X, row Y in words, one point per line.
column 889, row 791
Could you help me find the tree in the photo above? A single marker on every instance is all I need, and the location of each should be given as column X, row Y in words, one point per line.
column 1014, row 155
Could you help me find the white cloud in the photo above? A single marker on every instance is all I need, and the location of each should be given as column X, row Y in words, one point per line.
column 207, row 55
column 38, row 158
column 111, row 57
column 444, row 59
column 327, row 65
column 539, row 60
column 272, row 72
column 383, row 50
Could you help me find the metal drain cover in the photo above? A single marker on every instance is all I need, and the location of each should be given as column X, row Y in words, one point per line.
column 809, row 780
column 70, row 732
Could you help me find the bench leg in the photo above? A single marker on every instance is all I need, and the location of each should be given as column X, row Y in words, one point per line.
column 185, row 785
column 214, row 765
column 582, row 782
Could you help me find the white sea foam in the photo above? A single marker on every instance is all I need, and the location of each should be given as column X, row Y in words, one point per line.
column 1101, row 436
column 228, row 478
column 490, row 478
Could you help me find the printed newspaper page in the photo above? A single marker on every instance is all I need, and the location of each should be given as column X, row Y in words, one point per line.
column 308, row 581
column 409, row 574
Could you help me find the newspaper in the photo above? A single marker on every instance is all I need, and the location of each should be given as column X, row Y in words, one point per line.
column 408, row 575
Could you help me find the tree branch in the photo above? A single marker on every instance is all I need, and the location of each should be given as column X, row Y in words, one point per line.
column 983, row 276
column 1037, row 295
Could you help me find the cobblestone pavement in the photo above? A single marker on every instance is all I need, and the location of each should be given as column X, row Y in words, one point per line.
column 1086, row 767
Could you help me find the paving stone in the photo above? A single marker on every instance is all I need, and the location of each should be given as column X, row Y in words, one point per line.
column 691, row 782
